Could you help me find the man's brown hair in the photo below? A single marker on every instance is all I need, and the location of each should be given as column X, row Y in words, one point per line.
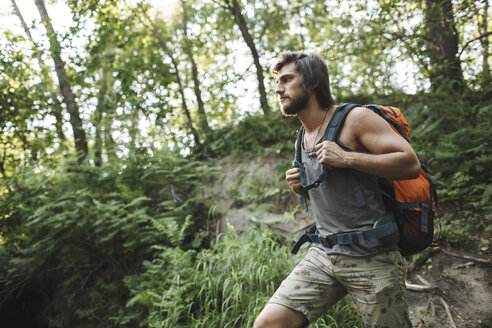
column 313, row 71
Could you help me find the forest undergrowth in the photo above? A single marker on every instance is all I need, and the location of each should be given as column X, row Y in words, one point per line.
column 132, row 243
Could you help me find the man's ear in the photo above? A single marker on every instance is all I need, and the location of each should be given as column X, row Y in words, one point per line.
column 315, row 85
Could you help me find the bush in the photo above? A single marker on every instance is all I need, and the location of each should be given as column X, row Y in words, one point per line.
column 454, row 137
column 255, row 133
column 72, row 235
column 226, row 286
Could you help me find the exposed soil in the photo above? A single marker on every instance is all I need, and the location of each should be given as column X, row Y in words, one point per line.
column 462, row 284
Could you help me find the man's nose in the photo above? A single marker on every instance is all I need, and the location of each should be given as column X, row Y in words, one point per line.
column 279, row 89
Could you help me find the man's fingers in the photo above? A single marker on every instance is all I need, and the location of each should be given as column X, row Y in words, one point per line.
column 323, row 144
column 292, row 174
column 295, row 176
column 292, row 171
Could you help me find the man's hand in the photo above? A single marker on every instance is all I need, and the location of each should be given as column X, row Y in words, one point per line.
column 330, row 154
column 293, row 177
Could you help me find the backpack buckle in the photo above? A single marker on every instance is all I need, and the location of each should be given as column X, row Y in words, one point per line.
column 326, row 242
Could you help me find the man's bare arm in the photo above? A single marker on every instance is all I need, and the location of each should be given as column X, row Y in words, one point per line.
column 386, row 154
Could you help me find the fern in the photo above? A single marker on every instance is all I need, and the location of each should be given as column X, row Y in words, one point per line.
column 82, row 231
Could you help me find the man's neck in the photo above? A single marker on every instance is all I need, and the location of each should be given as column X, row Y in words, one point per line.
column 312, row 116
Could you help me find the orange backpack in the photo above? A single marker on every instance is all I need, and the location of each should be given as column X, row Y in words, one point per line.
column 411, row 200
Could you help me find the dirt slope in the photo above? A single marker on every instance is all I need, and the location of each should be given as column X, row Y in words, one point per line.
column 462, row 283
column 252, row 189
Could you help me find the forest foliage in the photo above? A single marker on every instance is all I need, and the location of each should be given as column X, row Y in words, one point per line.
column 110, row 131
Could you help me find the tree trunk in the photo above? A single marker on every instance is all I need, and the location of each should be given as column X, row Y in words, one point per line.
column 109, row 143
column 3, row 156
column 203, row 122
column 442, row 42
column 98, row 117
column 65, row 87
column 168, row 52
column 23, row 23
column 481, row 21
column 235, row 10
column 56, row 110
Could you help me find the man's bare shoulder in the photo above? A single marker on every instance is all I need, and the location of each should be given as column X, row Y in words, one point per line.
column 361, row 116
column 361, row 122
column 360, row 113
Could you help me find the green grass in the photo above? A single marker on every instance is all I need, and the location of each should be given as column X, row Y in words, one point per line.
column 225, row 286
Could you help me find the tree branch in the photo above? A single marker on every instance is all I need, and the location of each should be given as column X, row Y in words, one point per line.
column 448, row 312
column 426, row 254
column 466, row 45
column 474, row 259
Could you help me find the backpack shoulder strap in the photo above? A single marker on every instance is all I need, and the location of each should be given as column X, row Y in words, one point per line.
column 298, row 146
column 298, row 163
column 331, row 134
column 332, row 130
column 337, row 120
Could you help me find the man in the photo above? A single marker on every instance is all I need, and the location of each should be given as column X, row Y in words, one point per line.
column 373, row 272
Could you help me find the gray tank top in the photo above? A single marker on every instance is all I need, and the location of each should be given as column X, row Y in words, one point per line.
column 336, row 210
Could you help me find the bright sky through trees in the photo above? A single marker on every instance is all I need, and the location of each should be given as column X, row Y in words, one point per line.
column 404, row 72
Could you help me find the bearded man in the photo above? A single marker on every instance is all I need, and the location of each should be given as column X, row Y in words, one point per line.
column 372, row 272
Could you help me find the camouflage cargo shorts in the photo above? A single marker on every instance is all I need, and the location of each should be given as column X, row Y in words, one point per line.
column 376, row 284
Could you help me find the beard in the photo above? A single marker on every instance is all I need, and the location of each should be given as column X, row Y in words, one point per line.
column 297, row 103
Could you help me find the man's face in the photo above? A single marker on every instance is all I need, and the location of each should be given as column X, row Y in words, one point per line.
column 293, row 97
